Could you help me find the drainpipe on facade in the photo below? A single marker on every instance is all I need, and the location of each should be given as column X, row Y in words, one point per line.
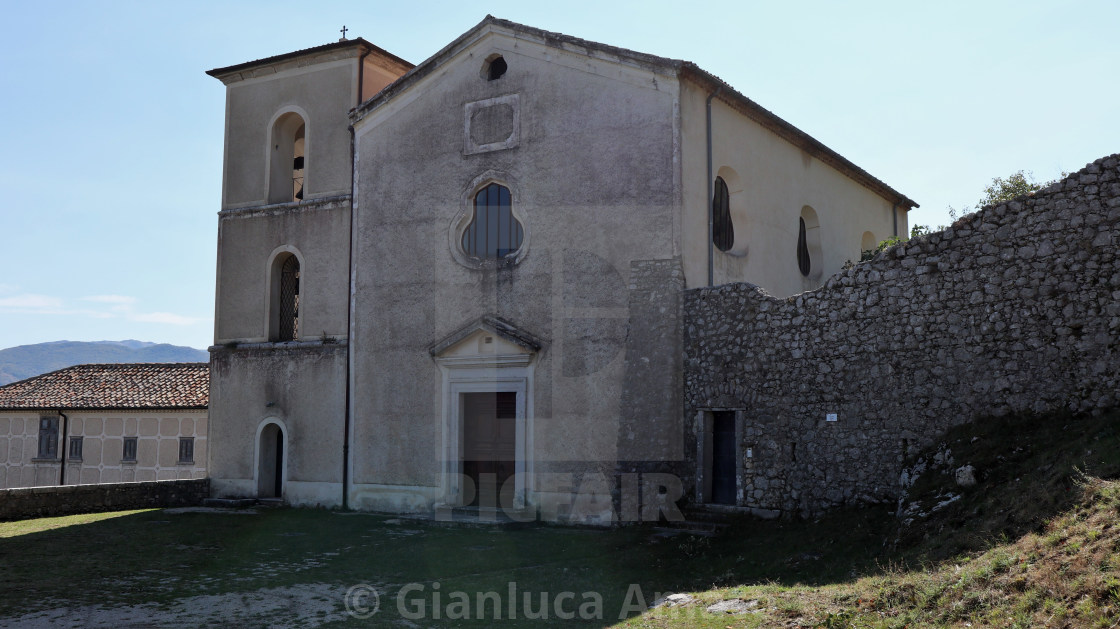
column 711, row 187
column 62, row 449
column 349, row 328
column 361, row 80
column 349, row 298
column 894, row 218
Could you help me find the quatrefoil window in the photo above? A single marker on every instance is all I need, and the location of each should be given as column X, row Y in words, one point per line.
column 494, row 232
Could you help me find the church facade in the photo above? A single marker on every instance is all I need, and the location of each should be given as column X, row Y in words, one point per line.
column 457, row 285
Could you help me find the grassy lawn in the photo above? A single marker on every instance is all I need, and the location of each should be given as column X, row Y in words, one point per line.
column 1026, row 547
column 156, row 557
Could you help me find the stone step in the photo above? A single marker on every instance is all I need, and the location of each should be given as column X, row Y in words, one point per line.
column 691, row 527
column 704, row 514
column 727, row 514
column 482, row 517
column 229, row 503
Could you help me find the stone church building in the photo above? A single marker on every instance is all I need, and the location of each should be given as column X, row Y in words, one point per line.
column 458, row 285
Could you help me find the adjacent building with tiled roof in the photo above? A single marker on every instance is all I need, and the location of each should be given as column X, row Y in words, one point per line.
column 109, row 422
column 113, row 386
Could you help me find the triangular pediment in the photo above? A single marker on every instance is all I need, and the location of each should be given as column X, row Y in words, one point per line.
column 487, row 336
column 515, row 33
column 595, row 52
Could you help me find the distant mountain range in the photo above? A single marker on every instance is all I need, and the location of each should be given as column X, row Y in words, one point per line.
column 25, row 361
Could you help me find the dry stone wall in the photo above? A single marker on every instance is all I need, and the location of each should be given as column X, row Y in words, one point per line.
column 40, row 502
column 1014, row 309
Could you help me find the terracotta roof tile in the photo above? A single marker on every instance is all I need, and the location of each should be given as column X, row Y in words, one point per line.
column 345, row 43
column 115, row 386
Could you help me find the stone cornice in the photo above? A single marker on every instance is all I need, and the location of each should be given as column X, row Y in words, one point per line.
column 341, row 201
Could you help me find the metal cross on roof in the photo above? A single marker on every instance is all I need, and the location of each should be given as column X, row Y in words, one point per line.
column 343, row 31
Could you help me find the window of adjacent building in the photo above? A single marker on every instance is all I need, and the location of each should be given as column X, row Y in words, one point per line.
column 289, row 160
column 494, row 232
column 129, row 453
column 285, row 302
column 723, row 232
column 75, row 449
column 48, row 437
column 186, row 449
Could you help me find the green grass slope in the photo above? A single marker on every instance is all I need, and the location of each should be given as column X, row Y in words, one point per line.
column 1034, row 543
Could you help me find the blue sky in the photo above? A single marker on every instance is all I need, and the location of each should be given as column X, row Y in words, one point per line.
column 111, row 151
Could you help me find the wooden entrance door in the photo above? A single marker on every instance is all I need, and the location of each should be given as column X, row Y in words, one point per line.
column 489, row 423
column 723, row 457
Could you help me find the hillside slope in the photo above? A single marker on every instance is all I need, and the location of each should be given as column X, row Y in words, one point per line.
column 25, row 361
column 1006, row 522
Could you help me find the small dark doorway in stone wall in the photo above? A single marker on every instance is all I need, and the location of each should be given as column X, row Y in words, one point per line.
column 723, row 458
column 489, row 425
column 270, row 470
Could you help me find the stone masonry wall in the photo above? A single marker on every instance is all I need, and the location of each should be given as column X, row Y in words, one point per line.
column 38, row 502
column 1014, row 309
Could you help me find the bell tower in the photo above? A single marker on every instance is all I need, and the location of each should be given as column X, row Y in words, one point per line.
column 278, row 363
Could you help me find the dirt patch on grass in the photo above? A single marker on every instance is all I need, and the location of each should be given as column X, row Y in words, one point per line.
column 220, row 511
column 305, row 605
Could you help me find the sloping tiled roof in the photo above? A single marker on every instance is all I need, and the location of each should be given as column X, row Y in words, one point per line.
column 345, row 43
column 113, row 386
column 792, row 134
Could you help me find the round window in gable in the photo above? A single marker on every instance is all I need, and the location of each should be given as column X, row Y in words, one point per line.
column 494, row 68
column 493, row 233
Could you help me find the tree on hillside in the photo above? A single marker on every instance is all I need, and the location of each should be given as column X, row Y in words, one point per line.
column 1003, row 189
column 999, row 191
column 1016, row 184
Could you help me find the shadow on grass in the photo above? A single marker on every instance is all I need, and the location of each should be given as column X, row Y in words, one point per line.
column 1028, row 469
column 159, row 557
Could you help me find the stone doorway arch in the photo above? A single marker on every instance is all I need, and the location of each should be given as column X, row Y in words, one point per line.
column 272, row 459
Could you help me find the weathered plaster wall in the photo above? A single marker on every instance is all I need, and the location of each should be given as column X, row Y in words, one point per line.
column 593, row 177
column 157, row 447
column 248, row 239
column 649, row 432
column 40, row 502
column 321, row 90
column 299, row 385
column 378, row 72
column 1013, row 309
column 772, row 181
